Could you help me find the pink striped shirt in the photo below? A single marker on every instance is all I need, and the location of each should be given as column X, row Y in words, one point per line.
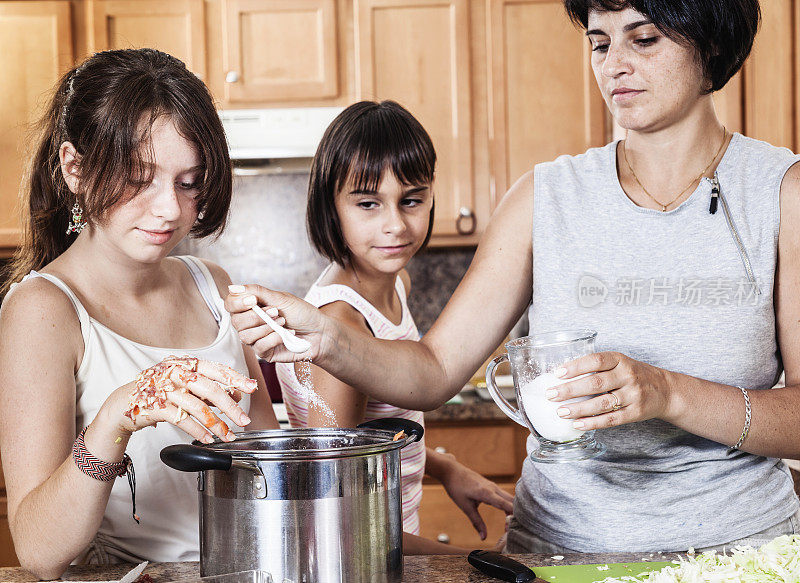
column 412, row 457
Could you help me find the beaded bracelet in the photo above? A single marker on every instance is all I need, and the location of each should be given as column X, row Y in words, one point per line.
column 104, row 471
column 747, row 414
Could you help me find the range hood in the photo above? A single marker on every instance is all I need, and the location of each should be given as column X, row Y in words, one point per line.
column 265, row 134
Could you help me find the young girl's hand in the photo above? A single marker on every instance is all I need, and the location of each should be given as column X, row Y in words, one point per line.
column 468, row 489
column 181, row 391
column 298, row 316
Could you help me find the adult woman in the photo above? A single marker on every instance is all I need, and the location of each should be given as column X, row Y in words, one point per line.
column 132, row 159
column 679, row 206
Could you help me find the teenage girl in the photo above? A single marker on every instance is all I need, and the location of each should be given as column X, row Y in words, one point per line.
column 131, row 160
column 370, row 209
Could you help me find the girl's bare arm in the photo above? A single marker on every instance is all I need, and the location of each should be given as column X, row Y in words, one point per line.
column 418, row 375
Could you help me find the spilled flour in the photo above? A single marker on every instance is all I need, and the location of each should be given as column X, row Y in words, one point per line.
column 313, row 398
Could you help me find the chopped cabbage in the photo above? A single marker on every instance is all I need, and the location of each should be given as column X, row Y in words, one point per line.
column 777, row 561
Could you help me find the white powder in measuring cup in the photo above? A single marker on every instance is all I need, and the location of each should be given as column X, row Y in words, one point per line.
column 541, row 412
column 312, row 397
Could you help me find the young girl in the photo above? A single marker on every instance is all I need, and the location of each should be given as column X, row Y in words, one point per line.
column 370, row 209
column 132, row 159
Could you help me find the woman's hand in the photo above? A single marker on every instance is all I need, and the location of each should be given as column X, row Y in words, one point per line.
column 181, row 391
column 298, row 316
column 468, row 489
column 625, row 390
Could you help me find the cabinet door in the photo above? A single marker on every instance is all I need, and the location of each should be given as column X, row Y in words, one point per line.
column 493, row 450
column 544, row 101
column 37, row 34
column 416, row 52
column 279, row 50
column 769, row 93
column 176, row 27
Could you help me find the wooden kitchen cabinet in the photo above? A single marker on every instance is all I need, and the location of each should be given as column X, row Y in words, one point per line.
column 763, row 100
column 769, row 77
column 280, row 50
column 500, row 85
column 36, row 39
column 176, row 27
column 543, row 98
column 493, row 448
column 417, row 52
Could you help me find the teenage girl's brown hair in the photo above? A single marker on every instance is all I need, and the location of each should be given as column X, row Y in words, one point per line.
column 363, row 141
column 106, row 108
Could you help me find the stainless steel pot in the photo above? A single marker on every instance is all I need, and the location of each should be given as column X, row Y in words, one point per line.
column 307, row 505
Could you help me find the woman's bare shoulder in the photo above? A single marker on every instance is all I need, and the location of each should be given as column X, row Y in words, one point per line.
column 37, row 311
column 36, row 297
column 790, row 203
column 221, row 277
column 791, row 183
column 346, row 314
column 517, row 203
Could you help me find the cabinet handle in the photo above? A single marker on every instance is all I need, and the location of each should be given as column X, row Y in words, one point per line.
column 444, row 538
column 440, row 449
column 232, row 77
column 465, row 213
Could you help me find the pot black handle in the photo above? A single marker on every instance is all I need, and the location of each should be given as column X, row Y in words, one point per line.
column 396, row 424
column 193, row 458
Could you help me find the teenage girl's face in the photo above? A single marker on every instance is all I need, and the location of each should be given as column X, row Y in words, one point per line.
column 383, row 229
column 648, row 81
column 149, row 225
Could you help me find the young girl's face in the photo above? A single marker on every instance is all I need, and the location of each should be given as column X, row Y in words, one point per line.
column 151, row 223
column 383, row 229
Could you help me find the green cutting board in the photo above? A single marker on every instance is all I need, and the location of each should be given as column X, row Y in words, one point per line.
column 591, row 573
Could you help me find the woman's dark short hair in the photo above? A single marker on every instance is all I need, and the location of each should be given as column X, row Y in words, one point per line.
column 363, row 141
column 722, row 31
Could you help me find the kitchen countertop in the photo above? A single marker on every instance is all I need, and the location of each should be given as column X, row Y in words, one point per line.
column 470, row 408
column 417, row 569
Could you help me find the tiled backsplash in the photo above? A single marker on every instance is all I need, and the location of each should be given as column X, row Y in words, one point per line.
column 265, row 239
column 435, row 274
column 266, row 242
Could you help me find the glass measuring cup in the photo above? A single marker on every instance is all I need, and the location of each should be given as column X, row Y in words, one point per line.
column 533, row 361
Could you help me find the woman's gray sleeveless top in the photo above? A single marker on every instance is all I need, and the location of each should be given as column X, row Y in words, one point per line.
column 688, row 290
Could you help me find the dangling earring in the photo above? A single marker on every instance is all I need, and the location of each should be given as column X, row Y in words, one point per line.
column 77, row 224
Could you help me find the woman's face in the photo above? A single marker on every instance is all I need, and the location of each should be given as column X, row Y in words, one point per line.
column 151, row 223
column 384, row 228
column 648, row 81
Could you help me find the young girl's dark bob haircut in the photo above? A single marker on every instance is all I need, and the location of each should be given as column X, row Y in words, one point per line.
column 363, row 141
column 721, row 31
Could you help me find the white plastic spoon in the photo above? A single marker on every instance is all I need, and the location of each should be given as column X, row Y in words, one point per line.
column 290, row 341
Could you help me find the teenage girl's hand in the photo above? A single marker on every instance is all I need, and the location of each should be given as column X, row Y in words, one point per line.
column 626, row 390
column 296, row 315
column 468, row 489
column 188, row 394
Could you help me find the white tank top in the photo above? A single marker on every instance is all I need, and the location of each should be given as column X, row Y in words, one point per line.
column 412, row 457
column 166, row 499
